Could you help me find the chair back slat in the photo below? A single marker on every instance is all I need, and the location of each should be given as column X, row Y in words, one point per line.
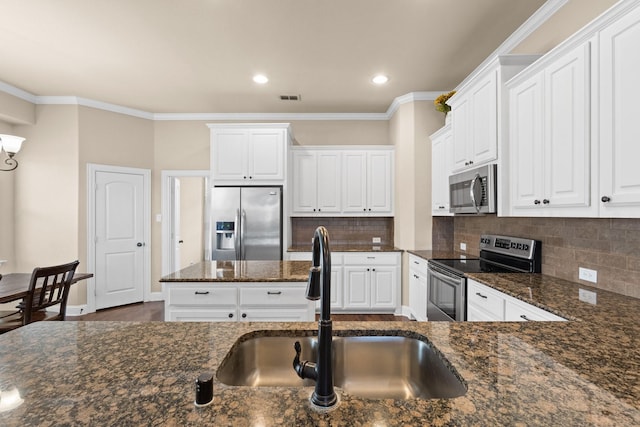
column 49, row 286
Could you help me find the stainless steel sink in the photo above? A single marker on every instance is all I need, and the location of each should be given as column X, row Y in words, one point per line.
column 379, row 367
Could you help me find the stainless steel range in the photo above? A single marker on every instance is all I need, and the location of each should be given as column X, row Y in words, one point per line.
column 498, row 254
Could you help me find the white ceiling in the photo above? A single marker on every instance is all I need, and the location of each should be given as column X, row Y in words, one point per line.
column 198, row 56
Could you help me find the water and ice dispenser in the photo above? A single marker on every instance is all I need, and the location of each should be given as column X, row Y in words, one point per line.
column 225, row 235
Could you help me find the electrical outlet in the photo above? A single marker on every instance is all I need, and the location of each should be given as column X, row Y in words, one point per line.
column 463, row 246
column 376, row 240
column 587, row 296
column 588, row 275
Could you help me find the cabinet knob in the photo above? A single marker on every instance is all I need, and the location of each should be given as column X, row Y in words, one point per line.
column 230, row 315
column 319, row 210
column 373, row 269
column 369, row 209
column 605, row 199
column 536, row 202
column 466, row 163
column 365, row 209
column 368, row 269
column 244, row 177
column 470, row 162
column 250, row 177
column 314, row 209
column 545, row 201
column 244, row 315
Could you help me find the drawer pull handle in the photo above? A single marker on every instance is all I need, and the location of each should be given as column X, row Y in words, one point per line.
column 371, row 257
column 202, row 293
column 416, row 262
column 522, row 316
column 416, row 276
column 274, row 292
column 481, row 296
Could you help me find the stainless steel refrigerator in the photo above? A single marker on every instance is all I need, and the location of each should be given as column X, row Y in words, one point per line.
column 246, row 223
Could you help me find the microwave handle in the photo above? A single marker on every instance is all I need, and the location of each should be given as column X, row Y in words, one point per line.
column 474, row 184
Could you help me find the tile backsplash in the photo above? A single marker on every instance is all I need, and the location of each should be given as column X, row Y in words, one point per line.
column 610, row 246
column 353, row 231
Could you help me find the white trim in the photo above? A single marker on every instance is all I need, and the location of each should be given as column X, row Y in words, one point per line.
column 92, row 168
column 539, row 17
column 269, row 116
column 86, row 102
column 405, row 311
column 156, row 296
column 76, row 310
column 167, row 252
column 18, row 93
column 411, row 97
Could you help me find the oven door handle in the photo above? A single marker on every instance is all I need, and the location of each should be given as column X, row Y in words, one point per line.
column 446, row 278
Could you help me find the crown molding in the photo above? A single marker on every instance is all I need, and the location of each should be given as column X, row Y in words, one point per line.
column 86, row 102
column 411, row 97
column 18, row 93
column 539, row 17
column 268, row 116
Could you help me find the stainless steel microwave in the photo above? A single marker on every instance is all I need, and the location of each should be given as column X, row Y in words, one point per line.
column 473, row 191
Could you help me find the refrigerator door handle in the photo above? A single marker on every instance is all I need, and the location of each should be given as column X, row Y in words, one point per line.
column 243, row 251
column 236, row 231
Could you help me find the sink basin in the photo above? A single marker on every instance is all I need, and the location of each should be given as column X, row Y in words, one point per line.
column 371, row 366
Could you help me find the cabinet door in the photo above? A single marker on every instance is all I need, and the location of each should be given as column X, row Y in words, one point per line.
column 354, row 182
column 356, row 288
column 379, row 182
column 440, row 170
column 566, row 123
column 525, row 140
column 461, row 132
column 484, row 124
column 619, row 123
column 304, row 182
column 266, row 155
column 336, row 287
column 383, row 287
column 229, row 150
column 329, row 183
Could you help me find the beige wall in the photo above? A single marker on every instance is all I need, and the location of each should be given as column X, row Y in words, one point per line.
column 6, row 210
column 409, row 129
column 46, row 189
column 15, row 110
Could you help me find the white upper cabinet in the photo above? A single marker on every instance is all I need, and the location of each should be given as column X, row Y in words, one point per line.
column 248, row 153
column 549, row 138
column 477, row 109
column 316, row 181
column 619, row 130
column 367, row 180
column 342, row 181
column 574, row 133
column 441, row 161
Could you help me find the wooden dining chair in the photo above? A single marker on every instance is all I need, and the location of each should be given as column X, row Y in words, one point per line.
column 48, row 287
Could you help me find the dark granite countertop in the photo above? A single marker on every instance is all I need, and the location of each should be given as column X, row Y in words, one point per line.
column 581, row 372
column 348, row 248
column 242, row 271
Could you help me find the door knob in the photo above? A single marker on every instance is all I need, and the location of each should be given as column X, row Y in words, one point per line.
column 139, row 244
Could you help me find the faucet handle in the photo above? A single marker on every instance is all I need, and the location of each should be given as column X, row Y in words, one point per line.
column 298, row 348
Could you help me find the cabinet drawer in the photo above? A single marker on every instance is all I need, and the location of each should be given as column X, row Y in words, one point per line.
column 204, row 295
column 419, row 265
column 522, row 312
column 371, row 258
column 484, row 298
column 203, row 316
column 273, row 295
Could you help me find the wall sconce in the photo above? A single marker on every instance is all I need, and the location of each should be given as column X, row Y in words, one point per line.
column 11, row 145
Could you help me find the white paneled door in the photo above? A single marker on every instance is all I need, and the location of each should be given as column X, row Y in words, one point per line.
column 119, row 238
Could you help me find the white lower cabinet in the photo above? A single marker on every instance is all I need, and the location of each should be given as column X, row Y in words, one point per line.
column 485, row 304
column 230, row 301
column 362, row 281
column 418, row 287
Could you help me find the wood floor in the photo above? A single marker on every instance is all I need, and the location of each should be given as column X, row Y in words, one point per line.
column 154, row 312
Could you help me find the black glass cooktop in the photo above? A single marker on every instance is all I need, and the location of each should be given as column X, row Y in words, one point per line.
column 474, row 265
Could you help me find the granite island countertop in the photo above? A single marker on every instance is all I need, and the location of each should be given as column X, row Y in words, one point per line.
column 242, row 271
column 584, row 372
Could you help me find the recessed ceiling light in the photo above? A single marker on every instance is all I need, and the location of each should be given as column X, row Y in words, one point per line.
column 380, row 79
column 260, row 79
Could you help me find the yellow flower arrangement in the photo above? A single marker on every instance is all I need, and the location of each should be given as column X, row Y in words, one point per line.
column 441, row 102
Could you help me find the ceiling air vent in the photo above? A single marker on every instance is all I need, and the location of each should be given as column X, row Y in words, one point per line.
column 290, row 97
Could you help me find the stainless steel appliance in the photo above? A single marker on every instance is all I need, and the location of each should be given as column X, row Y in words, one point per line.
column 473, row 191
column 447, row 282
column 246, row 223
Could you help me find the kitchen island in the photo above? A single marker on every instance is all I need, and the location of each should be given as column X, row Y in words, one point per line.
column 582, row 372
column 239, row 290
